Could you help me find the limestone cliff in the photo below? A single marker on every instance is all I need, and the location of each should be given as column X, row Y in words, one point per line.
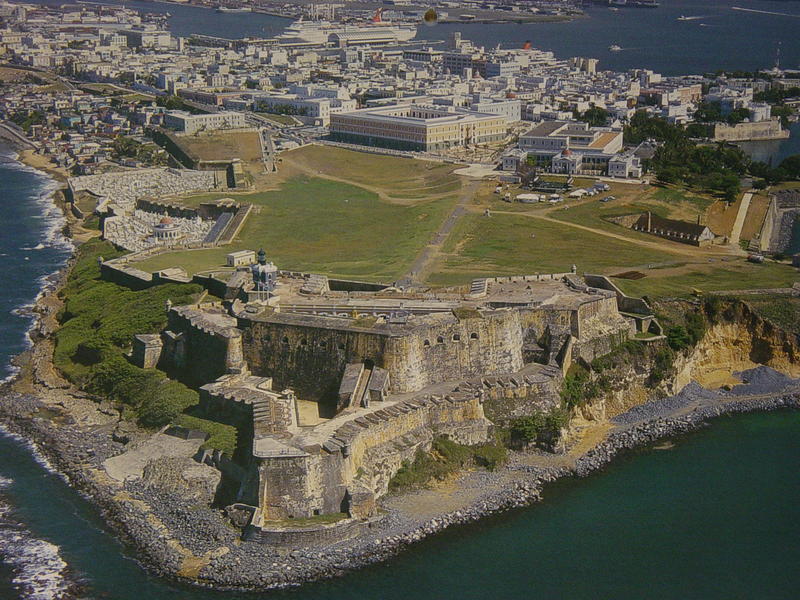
column 736, row 338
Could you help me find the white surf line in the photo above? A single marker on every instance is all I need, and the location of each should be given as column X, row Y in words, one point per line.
column 764, row 12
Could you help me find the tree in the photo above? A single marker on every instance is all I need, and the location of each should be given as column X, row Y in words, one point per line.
column 527, row 173
column 708, row 112
column 791, row 165
column 595, row 116
column 738, row 115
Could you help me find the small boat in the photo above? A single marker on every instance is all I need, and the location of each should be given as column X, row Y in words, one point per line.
column 614, row 48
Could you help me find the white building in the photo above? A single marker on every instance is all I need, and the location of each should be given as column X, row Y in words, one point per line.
column 182, row 121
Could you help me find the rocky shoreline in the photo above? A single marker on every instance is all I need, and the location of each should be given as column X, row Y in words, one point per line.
column 168, row 531
column 174, row 539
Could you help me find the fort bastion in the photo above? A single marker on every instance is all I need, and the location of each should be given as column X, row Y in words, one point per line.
column 332, row 387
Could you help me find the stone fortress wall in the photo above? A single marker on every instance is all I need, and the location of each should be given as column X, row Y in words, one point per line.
column 309, row 353
column 784, row 210
column 352, row 466
column 451, row 364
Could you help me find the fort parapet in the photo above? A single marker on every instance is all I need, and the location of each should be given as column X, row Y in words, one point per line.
column 332, row 390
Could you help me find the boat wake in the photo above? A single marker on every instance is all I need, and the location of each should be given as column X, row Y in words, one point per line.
column 764, row 12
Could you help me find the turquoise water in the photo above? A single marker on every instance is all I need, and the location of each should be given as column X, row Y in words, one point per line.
column 717, row 516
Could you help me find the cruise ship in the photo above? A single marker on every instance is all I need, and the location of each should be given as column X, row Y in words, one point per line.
column 321, row 32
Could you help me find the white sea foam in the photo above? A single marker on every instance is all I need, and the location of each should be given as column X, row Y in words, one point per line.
column 39, row 572
column 52, row 237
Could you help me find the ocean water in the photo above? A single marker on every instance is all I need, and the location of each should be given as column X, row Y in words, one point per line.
column 723, row 38
column 718, row 516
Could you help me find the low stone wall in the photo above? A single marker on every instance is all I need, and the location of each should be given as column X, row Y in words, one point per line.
column 352, row 467
column 625, row 303
column 507, row 397
column 304, row 537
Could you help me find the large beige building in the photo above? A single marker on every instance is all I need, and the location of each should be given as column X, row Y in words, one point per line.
column 185, row 122
column 415, row 127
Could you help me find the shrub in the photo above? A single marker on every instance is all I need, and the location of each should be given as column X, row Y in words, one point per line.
column 540, row 427
column 662, row 365
column 169, row 400
column 677, row 337
column 490, row 456
column 445, row 458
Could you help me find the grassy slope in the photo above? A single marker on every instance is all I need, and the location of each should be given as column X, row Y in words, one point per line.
column 502, row 245
column 102, row 315
column 398, row 177
column 736, row 275
column 325, row 226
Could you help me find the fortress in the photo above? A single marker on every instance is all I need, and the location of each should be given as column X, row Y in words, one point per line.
column 332, row 385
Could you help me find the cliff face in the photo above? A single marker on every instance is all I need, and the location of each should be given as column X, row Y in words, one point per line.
column 737, row 339
column 740, row 340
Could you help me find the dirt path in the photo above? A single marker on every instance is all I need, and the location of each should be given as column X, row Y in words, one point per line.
column 682, row 251
column 427, row 256
column 371, row 188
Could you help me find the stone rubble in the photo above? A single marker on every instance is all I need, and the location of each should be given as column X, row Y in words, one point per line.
column 232, row 563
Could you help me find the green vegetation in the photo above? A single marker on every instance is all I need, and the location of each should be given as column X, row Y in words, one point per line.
column 732, row 275
column 327, row 227
column 670, row 202
column 680, row 337
column 445, row 458
column 518, row 244
column 221, row 437
column 783, row 311
column 715, row 168
column 580, row 387
column 98, row 322
column 278, row 118
column 595, row 116
column 147, row 153
column 25, row 119
column 541, row 428
column 711, row 112
column 400, row 178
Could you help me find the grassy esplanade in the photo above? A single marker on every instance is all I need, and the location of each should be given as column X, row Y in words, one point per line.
column 325, row 226
column 368, row 216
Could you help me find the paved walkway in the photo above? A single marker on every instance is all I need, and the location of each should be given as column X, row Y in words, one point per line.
column 422, row 264
column 744, row 206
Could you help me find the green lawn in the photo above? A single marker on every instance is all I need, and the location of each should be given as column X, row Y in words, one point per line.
column 396, row 176
column 664, row 202
column 737, row 275
column 784, row 311
column 327, row 227
column 673, row 195
column 503, row 245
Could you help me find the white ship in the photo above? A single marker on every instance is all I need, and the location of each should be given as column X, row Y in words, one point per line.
column 321, row 32
column 614, row 48
column 227, row 9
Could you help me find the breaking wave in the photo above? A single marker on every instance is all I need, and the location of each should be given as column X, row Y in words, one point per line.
column 38, row 570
